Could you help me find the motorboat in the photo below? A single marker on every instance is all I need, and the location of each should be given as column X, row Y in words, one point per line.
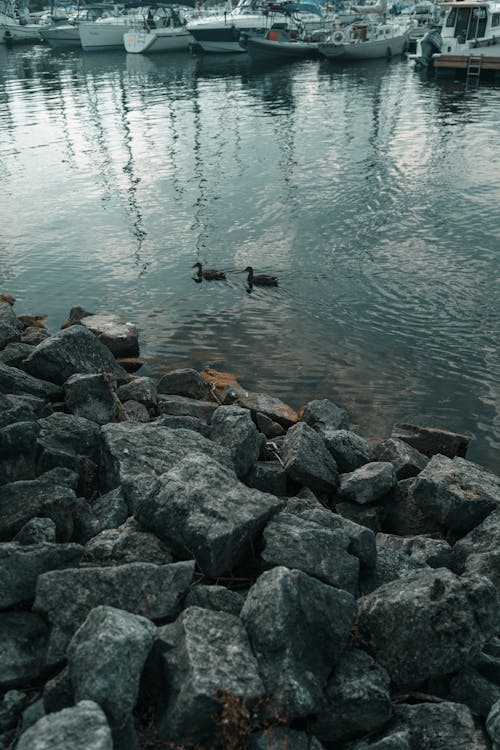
column 367, row 39
column 15, row 26
column 469, row 39
column 221, row 33
column 282, row 43
column 64, row 33
column 167, row 33
column 106, row 33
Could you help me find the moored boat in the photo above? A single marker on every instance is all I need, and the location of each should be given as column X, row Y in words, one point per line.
column 365, row 41
column 282, row 42
column 15, row 26
column 167, row 33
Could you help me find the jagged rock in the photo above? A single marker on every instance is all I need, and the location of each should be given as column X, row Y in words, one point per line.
column 111, row 509
column 267, row 476
column 23, row 650
column 21, row 565
column 105, row 658
column 456, row 493
column 485, row 564
column 404, row 517
column 295, row 644
column 18, row 452
column 181, row 406
column 200, row 508
column 24, row 500
column 391, row 565
column 407, row 460
column 427, row 624
column 201, row 660
column 135, row 412
column 430, row 441
column 15, row 409
column 126, row 544
column 217, row 598
column 307, row 461
column 135, row 455
column 233, row 428
column 10, row 327
column 34, row 335
column 437, row 726
column 36, row 530
column 349, row 450
column 268, row 428
column 436, row 553
column 323, row 414
column 367, row 484
column 63, row 438
column 371, row 516
column 476, row 691
column 143, row 390
column 58, row 692
column 493, row 725
column 270, row 406
column 283, row 738
column 11, row 707
column 92, row 397
column 319, row 551
column 185, row 382
column 15, row 353
column 17, row 382
column 66, row 597
column 74, row 350
column 483, row 538
column 82, row 727
column 118, row 335
column 357, row 699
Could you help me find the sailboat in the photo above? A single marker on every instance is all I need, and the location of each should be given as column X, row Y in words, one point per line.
column 15, row 24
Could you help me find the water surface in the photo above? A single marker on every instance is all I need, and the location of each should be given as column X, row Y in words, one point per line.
column 373, row 194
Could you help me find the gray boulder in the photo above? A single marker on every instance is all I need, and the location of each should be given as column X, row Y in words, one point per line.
column 24, row 500
column 307, row 460
column 10, row 327
column 429, row 623
column 185, row 382
column 469, row 686
column 493, row 725
column 23, row 650
column 15, row 353
column 436, row 553
column 437, row 726
column 135, row 455
column 200, row 508
column 181, row 406
column 202, row 660
column 21, row 565
column 319, row 551
column 404, row 517
column 126, row 544
column 37, row 530
column 105, row 658
column 391, row 565
column 15, row 409
column 21, row 383
column 431, row 441
column 18, row 451
column 82, row 727
column 323, row 414
column 67, row 433
column 357, row 699
column 92, row 397
column 74, row 350
column 217, row 598
column 483, row 538
column 349, row 450
column 133, row 411
column 116, row 333
column 143, row 390
column 407, row 460
column 268, row 476
column 485, row 564
column 233, row 428
column 111, row 509
column 269, row 406
column 456, row 493
column 367, row 484
column 296, row 645
column 283, row 738
column 371, row 516
column 66, row 597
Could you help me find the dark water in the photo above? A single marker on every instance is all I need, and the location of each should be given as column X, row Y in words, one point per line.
column 374, row 196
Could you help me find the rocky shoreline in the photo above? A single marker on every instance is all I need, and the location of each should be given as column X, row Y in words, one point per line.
column 186, row 564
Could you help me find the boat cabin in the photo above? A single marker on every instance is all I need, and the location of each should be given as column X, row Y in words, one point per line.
column 470, row 20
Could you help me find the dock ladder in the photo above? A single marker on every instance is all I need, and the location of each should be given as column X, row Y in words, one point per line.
column 473, row 71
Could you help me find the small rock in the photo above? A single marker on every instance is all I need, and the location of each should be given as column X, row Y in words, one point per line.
column 307, row 460
column 82, row 727
column 180, row 406
column 323, row 414
column 271, row 407
column 143, row 390
column 127, row 544
column 367, row 484
column 349, row 450
column 111, row 509
column 135, row 412
column 185, row 382
column 92, row 397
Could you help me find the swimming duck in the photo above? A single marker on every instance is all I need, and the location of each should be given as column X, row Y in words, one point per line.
column 211, row 274
column 261, row 279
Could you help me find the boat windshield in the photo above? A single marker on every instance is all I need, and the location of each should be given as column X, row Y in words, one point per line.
column 468, row 23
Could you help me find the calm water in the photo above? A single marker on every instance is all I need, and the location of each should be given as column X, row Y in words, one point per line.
column 373, row 194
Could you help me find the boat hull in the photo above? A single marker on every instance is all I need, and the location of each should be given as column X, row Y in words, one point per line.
column 62, row 37
column 16, row 33
column 265, row 49
column 99, row 37
column 369, row 50
column 138, row 41
column 221, row 34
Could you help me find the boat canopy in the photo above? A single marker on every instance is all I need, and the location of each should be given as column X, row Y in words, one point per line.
column 291, row 7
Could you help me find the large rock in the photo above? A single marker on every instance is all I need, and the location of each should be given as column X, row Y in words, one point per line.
column 106, row 656
column 430, row 441
column 143, row 390
column 92, row 397
column 181, row 406
column 23, row 648
column 66, row 597
column 484, row 538
column 268, row 476
column 323, row 415
column 202, row 661
column 82, row 727
column 15, row 353
column 349, row 450
column 126, row 544
column 18, row 452
column 37, row 530
column 270, row 406
column 429, row 623
column 407, row 460
column 74, row 350
column 319, row 551
column 15, row 409
column 185, row 382
column 456, row 493
column 135, row 455
column 233, row 428
column 367, row 484
column 10, row 327
column 117, row 334
column 357, row 699
column 479, row 693
column 21, row 383
column 437, row 726
column 295, row 641
column 436, row 553
column 200, row 508
column 24, row 500
column 307, row 460
column 21, row 565
column 63, row 437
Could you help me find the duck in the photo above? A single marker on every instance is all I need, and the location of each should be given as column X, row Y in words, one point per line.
column 261, row 279
column 211, row 274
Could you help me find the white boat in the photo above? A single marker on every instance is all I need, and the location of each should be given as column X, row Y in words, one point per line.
column 469, row 39
column 167, row 33
column 221, row 33
column 15, row 26
column 106, row 33
column 64, row 33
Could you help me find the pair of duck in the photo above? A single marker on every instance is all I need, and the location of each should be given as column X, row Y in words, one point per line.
column 211, row 274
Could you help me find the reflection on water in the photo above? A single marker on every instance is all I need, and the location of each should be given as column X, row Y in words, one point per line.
column 371, row 193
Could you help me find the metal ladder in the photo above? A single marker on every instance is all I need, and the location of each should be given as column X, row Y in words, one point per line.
column 473, row 71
